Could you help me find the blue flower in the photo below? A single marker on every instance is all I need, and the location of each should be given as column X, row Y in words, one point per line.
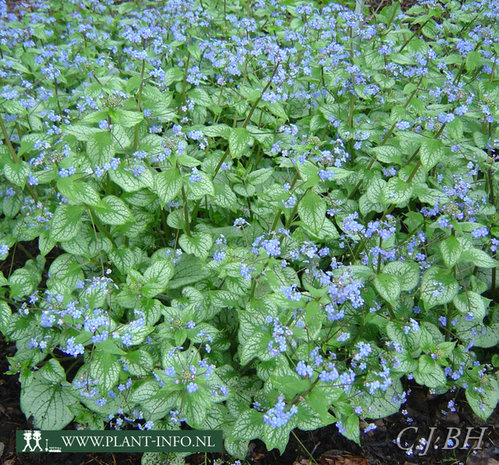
column 277, row 417
column 304, row 370
column 192, row 387
column 103, row 124
column 480, row 232
column 195, row 176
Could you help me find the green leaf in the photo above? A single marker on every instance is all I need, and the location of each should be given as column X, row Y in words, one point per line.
column 125, row 118
column 483, row 404
column 312, row 210
column 236, row 448
column 144, row 391
column 307, row 419
column 199, row 244
column 66, row 269
column 455, row 129
column 204, row 186
column 429, row 373
column 53, row 372
column 375, row 191
column 451, row 251
column 130, row 183
column 87, row 243
column 320, row 404
column 95, row 116
column 110, row 347
column 45, row 244
column 407, row 273
column 120, row 137
column 396, row 192
column 22, row 282
column 278, row 437
column 409, row 340
column 200, row 97
column 224, row 197
column 151, row 144
column 16, row 173
column 167, row 185
column 478, row 258
column 438, row 287
column 352, row 429
column 388, row 154
column 157, row 277
column 238, row 141
column 309, row 173
column 188, row 270
column 473, row 61
column 431, row 153
column 218, row 130
column 82, row 133
column 290, row 385
column 48, row 403
column 277, row 109
column 388, row 287
column 196, row 406
column 259, row 176
column 100, row 147
column 173, row 75
column 254, row 346
column 105, row 368
column 387, row 404
column 112, row 210
column 140, row 363
column 248, row 425
column 340, row 173
column 4, row 317
column 79, row 192
column 471, row 302
column 245, row 190
column 66, row 222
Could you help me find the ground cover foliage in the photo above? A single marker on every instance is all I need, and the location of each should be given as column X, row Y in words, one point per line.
column 249, row 216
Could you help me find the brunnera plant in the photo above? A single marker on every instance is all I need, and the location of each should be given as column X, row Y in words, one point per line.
column 253, row 218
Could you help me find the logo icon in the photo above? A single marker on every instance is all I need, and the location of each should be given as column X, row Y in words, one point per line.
column 36, row 436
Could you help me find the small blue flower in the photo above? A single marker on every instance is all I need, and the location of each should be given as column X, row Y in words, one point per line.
column 4, row 249
column 195, row 176
column 304, row 370
column 192, row 387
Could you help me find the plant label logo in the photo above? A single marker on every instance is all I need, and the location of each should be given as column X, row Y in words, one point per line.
column 34, row 436
column 118, row 441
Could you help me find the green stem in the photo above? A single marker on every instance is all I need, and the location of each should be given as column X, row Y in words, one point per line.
column 391, row 312
column 386, row 137
column 250, row 114
column 57, row 98
column 186, row 213
column 304, row 448
column 417, row 32
column 278, row 214
column 15, row 159
column 139, row 106
column 9, row 143
column 379, row 256
column 184, row 84
column 139, row 99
